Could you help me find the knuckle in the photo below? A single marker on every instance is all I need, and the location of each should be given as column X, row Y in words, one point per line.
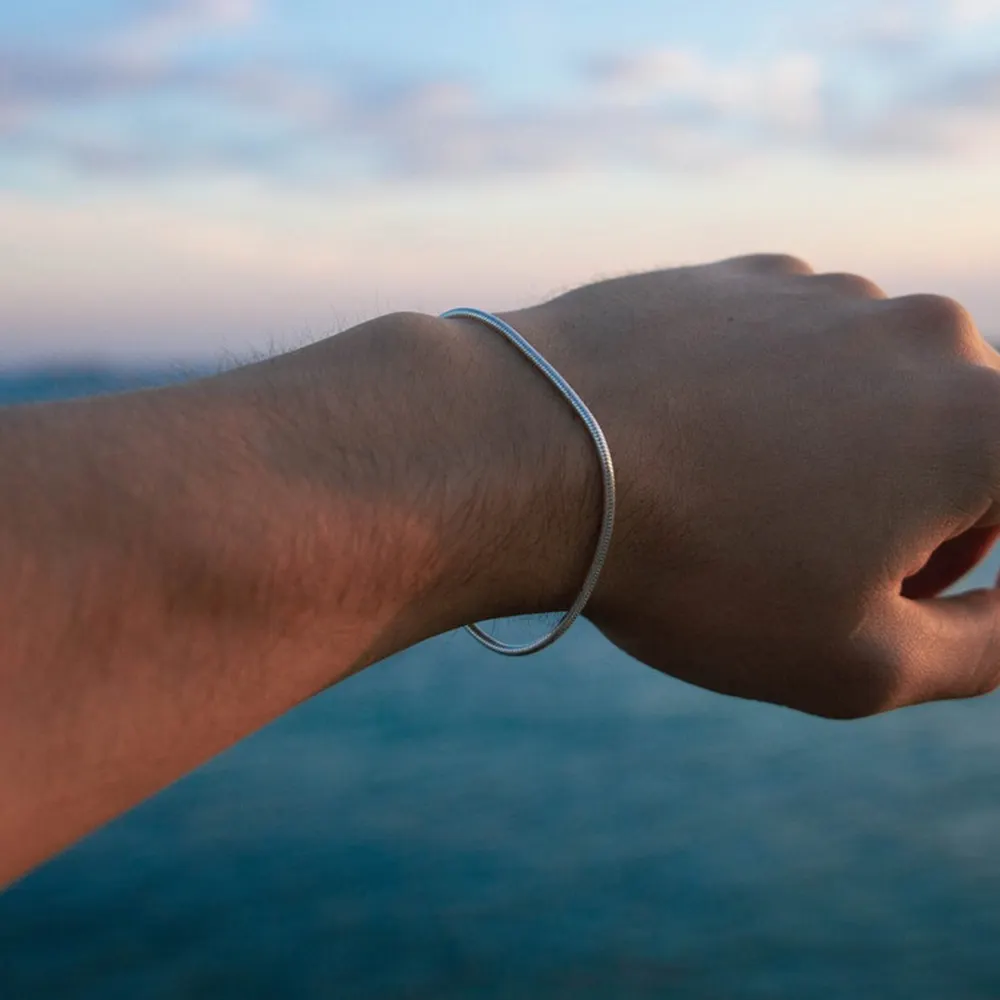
column 942, row 311
column 941, row 321
column 775, row 263
column 853, row 285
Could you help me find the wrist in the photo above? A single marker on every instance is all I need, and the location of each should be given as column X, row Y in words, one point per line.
column 447, row 480
column 534, row 480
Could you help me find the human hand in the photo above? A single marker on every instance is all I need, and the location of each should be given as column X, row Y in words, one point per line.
column 803, row 466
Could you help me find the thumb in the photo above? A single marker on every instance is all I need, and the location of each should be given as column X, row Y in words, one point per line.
column 941, row 649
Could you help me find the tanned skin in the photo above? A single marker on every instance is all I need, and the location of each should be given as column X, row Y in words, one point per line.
column 803, row 466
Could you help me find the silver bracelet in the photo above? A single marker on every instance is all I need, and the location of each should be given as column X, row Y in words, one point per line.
column 607, row 472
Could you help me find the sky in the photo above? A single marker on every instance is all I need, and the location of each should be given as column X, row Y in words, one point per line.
column 185, row 179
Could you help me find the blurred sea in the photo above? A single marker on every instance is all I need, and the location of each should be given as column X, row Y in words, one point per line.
column 450, row 825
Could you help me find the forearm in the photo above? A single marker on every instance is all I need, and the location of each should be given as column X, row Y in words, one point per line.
column 180, row 566
column 802, row 468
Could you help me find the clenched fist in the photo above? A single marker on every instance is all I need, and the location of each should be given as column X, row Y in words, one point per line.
column 803, row 466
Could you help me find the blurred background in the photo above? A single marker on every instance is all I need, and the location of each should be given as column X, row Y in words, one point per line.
column 180, row 177
column 189, row 181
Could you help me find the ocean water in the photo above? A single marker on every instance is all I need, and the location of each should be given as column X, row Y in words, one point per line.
column 452, row 825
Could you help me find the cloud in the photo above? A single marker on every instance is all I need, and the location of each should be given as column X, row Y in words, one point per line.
column 660, row 109
column 136, row 60
column 976, row 88
column 956, row 113
column 548, row 140
column 161, row 26
column 974, row 12
column 785, row 90
column 890, row 29
column 31, row 82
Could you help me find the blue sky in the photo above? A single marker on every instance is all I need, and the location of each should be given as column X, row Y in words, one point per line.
column 181, row 177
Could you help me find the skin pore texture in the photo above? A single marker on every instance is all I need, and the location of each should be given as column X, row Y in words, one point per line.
column 803, row 465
